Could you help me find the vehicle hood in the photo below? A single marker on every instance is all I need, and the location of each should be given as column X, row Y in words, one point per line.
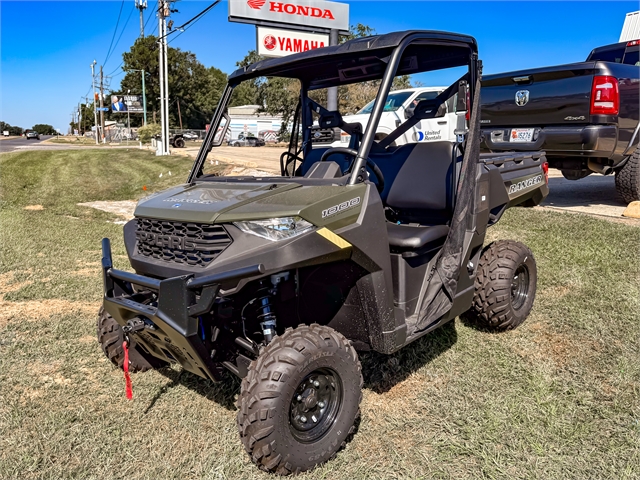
column 224, row 202
column 363, row 118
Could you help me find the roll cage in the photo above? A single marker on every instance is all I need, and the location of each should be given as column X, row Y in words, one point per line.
column 380, row 57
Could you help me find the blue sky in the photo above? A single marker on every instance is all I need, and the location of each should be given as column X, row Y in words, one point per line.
column 47, row 47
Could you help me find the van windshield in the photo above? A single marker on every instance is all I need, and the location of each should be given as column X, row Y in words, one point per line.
column 394, row 102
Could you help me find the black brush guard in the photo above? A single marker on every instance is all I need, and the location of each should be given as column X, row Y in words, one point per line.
column 171, row 330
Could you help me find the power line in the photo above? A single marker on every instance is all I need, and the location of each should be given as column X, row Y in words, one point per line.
column 151, row 13
column 114, row 33
column 185, row 26
column 123, row 29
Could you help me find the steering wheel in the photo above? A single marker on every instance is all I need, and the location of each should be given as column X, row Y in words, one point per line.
column 370, row 163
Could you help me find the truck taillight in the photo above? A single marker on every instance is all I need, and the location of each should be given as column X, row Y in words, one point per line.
column 633, row 43
column 545, row 170
column 605, row 97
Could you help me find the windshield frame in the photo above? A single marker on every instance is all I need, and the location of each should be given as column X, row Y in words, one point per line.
column 393, row 67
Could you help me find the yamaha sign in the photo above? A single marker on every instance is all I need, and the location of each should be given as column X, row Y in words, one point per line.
column 276, row 42
column 312, row 15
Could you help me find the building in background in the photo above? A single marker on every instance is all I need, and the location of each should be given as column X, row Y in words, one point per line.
column 245, row 120
column 631, row 27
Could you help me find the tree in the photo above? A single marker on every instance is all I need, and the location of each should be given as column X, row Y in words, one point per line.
column 10, row 128
column 44, row 129
column 279, row 96
column 194, row 87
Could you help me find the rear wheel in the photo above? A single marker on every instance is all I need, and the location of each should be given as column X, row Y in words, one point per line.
column 111, row 338
column 505, row 286
column 628, row 179
column 179, row 143
column 300, row 399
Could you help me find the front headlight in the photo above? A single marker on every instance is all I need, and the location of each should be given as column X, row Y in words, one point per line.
column 275, row 229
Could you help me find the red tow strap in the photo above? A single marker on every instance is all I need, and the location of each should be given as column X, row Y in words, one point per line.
column 127, row 377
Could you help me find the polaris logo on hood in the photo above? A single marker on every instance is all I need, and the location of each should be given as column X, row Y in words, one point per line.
column 525, row 184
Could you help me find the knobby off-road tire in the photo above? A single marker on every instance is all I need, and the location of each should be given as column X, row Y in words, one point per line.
column 111, row 337
column 304, row 365
column 628, row 179
column 505, row 286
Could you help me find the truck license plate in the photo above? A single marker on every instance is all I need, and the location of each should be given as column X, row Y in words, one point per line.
column 521, row 135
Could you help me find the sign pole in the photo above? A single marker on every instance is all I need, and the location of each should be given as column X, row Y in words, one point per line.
column 144, row 100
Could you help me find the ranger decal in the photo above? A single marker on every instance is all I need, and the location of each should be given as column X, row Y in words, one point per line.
column 530, row 182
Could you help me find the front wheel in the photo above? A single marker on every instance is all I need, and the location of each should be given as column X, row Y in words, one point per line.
column 300, row 399
column 111, row 338
column 505, row 286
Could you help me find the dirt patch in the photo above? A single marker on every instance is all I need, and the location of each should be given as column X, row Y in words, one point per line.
column 558, row 291
column 247, row 172
column 551, row 346
column 34, row 207
column 41, row 309
column 122, row 208
column 87, row 272
column 8, row 283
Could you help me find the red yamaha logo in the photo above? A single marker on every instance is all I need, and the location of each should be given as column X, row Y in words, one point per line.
column 270, row 42
column 256, row 4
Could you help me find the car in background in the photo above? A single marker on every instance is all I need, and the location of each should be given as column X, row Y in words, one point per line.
column 29, row 134
column 190, row 136
column 398, row 109
column 243, row 141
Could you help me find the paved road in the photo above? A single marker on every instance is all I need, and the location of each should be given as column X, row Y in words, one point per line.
column 593, row 195
column 20, row 143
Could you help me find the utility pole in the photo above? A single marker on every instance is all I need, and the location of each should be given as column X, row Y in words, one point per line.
column 84, row 118
column 141, row 5
column 95, row 115
column 79, row 115
column 163, row 13
column 101, row 105
column 179, row 114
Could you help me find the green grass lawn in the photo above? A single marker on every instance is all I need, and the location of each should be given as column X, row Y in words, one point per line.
column 557, row 398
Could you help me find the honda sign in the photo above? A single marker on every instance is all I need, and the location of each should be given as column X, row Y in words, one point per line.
column 276, row 42
column 316, row 15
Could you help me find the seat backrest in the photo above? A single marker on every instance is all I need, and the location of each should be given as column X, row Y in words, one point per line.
column 420, row 181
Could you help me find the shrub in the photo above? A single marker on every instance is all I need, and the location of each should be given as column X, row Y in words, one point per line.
column 147, row 132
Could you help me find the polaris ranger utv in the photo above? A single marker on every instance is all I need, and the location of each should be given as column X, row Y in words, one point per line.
column 281, row 280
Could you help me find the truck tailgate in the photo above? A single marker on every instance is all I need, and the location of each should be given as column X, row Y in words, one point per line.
column 551, row 95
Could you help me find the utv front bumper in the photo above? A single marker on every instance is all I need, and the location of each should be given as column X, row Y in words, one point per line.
column 162, row 316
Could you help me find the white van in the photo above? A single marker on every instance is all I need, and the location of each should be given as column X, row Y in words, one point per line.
column 398, row 108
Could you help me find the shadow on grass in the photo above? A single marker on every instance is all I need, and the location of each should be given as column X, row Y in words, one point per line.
column 382, row 372
column 222, row 392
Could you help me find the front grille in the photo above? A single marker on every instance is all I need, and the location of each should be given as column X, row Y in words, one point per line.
column 186, row 243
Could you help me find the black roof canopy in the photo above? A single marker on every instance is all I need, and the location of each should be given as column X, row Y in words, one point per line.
column 366, row 58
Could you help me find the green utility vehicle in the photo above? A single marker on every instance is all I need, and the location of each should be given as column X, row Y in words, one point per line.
column 281, row 280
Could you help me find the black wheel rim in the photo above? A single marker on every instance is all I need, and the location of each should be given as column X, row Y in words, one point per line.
column 520, row 287
column 315, row 405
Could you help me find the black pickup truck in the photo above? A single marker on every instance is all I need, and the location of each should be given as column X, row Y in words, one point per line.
column 584, row 115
